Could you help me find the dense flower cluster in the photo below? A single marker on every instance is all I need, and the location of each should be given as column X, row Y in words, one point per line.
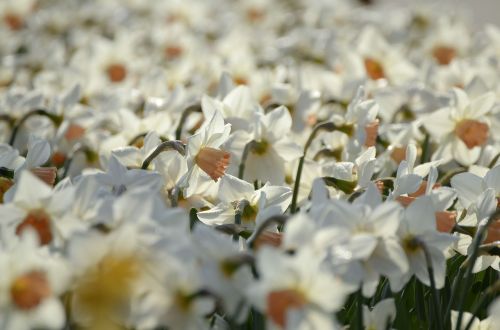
column 305, row 164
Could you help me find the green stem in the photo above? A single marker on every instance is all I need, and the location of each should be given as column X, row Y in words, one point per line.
column 435, row 296
column 424, row 158
column 248, row 148
column 325, row 126
column 279, row 219
column 6, row 173
column 454, row 290
column 493, row 161
column 469, row 263
column 296, row 185
column 136, row 138
column 477, row 307
column 69, row 160
column 164, row 146
column 359, row 306
column 240, row 207
column 185, row 114
column 445, row 179
column 56, row 120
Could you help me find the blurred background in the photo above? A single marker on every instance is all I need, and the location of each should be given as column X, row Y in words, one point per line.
column 478, row 12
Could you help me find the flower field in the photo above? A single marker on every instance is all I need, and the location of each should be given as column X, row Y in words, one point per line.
column 285, row 164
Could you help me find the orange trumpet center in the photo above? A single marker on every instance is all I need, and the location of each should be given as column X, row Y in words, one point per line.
column 444, row 54
column 398, row 154
column 371, row 131
column 472, row 132
column 74, row 132
column 28, row 291
column 116, row 72
column 374, row 69
column 268, row 238
column 281, row 301
column 13, row 21
column 39, row 221
column 173, row 51
column 445, row 221
column 5, row 185
column 213, row 161
column 493, row 232
column 46, row 174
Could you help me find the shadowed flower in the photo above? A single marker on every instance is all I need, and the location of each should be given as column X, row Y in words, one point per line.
column 46, row 174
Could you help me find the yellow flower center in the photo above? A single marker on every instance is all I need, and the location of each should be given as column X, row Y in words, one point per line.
column 260, row 147
column 106, row 287
column 411, row 244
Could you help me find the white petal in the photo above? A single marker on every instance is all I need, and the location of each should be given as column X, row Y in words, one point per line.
column 278, row 122
column 407, row 184
column 233, row 189
column 481, row 105
column 384, row 311
column 439, row 123
column 468, row 187
column 30, row 190
column 492, row 178
column 420, row 216
column 218, row 215
column 50, row 315
column 38, row 152
column 385, row 218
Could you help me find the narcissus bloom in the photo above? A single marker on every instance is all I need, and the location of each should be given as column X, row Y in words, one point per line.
column 462, row 128
column 204, row 155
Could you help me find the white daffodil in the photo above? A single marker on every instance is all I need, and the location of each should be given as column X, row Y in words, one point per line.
column 33, row 205
column 494, row 311
column 110, row 273
column 259, row 204
column 133, row 156
column 273, row 147
column 477, row 214
column 369, row 235
column 469, row 185
column 31, row 284
column 382, row 315
column 118, row 179
column 416, row 232
column 362, row 113
column 461, row 129
column 38, row 154
column 237, row 107
column 287, row 294
column 223, row 270
column 204, row 154
column 477, row 324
